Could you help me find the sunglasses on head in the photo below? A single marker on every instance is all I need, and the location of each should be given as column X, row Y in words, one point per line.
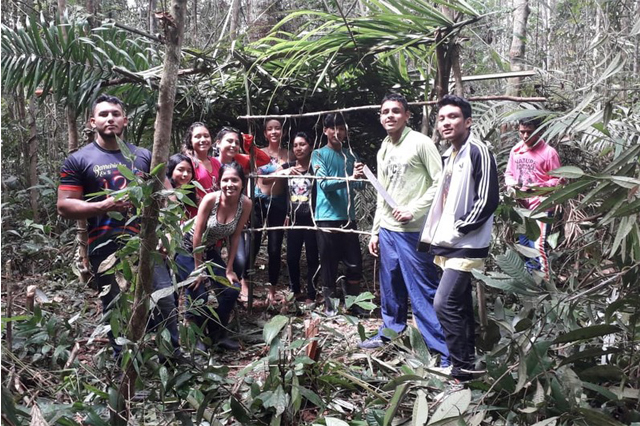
column 230, row 129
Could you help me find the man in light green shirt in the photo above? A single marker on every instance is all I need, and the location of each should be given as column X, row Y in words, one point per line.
column 408, row 168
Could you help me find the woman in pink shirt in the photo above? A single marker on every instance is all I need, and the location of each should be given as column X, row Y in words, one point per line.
column 197, row 145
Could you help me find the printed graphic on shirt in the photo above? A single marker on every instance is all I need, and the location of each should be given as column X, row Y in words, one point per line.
column 526, row 168
column 396, row 169
column 93, row 170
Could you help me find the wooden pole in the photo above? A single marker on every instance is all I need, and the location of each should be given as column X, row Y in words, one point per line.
column 368, row 107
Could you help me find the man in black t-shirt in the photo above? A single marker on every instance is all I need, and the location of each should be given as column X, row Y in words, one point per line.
column 92, row 169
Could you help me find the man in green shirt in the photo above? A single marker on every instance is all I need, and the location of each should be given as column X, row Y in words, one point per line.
column 408, row 167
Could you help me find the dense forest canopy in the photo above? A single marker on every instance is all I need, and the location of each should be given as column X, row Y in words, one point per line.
column 560, row 351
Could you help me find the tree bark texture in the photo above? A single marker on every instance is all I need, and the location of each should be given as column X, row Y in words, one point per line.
column 235, row 19
column 174, row 32
column 518, row 44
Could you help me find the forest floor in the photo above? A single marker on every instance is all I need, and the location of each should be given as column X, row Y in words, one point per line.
column 76, row 315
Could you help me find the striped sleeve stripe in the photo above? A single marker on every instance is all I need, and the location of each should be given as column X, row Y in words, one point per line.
column 483, row 188
column 70, row 188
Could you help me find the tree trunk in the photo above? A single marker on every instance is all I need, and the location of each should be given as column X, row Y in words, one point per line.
column 174, row 32
column 33, row 159
column 235, row 19
column 153, row 23
column 518, row 43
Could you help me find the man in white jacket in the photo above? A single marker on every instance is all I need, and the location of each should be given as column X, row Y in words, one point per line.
column 458, row 228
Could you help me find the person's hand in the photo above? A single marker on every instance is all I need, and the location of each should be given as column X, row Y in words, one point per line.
column 111, row 204
column 511, row 191
column 247, row 142
column 374, row 246
column 358, row 170
column 198, row 282
column 232, row 277
column 402, row 215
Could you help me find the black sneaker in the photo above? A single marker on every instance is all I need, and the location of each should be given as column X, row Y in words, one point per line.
column 358, row 311
column 229, row 344
column 374, row 342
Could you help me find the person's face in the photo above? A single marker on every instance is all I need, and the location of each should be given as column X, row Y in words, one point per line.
column 526, row 134
column 393, row 116
column 182, row 174
column 229, row 145
column 301, row 148
column 201, row 141
column 273, row 132
column 108, row 120
column 336, row 135
column 452, row 125
column 230, row 183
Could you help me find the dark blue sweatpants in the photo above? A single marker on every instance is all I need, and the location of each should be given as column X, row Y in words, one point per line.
column 406, row 273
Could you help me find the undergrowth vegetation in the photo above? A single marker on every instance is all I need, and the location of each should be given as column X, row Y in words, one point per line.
column 563, row 351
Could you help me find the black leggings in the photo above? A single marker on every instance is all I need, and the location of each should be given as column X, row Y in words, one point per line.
column 273, row 211
column 295, row 239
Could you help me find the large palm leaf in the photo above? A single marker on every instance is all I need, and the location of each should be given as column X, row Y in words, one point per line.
column 71, row 62
column 395, row 33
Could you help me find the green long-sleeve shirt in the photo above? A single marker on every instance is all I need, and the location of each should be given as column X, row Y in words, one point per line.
column 409, row 171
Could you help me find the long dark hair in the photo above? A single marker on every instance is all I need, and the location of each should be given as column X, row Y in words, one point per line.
column 233, row 166
column 187, row 146
column 173, row 162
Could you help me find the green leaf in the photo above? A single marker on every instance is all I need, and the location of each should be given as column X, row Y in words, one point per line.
column 394, row 404
column 157, row 169
column 454, row 405
column 238, row 411
column 602, row 373
column 571, row 172
column 420, row 409
column 278, row 400
column 126, row 172
column 273, row 328
column 587, row 333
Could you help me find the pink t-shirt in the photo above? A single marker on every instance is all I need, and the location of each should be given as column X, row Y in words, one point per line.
column 209, row 181
column 529, row 167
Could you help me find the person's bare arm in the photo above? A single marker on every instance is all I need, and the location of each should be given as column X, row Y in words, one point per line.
column 235, row 238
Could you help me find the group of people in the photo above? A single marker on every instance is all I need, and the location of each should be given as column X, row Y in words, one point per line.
column 436, row 211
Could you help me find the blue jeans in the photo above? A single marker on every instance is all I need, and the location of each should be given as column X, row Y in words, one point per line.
column 406, row 273
column 541, row 262
column 213, row 323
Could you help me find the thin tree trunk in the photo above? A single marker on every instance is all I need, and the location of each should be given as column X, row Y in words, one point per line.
column 33, row 159
column 174, row 32
column 235, row 19
column 153, row 23
column 518, row 44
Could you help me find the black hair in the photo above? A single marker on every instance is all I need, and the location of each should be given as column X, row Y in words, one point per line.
column 268, row 119
column 233, row 166
column 172, row 163
column 187, row 146
column 109, row 99
column 454, row 100
column 534, row 122
column 333, row 120
column 226, row 130
column 396, row 97
column 303, row 135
